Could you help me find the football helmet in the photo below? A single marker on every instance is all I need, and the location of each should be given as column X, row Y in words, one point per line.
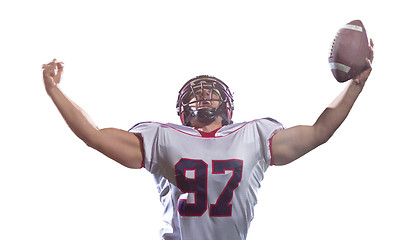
column 195, row 92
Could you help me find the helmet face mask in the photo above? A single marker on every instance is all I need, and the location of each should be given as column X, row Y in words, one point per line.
column 198, row 99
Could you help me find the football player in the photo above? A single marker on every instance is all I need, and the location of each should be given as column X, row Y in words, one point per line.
column 207, row 170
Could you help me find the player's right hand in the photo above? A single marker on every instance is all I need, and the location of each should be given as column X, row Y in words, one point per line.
column 362, row 77
column 52, row 73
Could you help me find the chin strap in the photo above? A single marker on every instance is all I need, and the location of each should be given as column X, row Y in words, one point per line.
column 206, row 115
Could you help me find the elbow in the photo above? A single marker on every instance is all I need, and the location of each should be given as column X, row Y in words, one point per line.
column 323, row 135
column 91, row 140
column 90, row 144
column 323, row 138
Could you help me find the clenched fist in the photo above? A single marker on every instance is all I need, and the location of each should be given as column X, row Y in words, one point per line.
column 52, row 73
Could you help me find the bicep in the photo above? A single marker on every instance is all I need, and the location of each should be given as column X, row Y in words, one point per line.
column 292, row 143
column 122, row 146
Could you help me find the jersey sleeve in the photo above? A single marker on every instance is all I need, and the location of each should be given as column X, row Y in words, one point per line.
column 267, row 128
column 148, row 132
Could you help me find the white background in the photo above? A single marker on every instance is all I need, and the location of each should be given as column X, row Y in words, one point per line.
column 125, row 62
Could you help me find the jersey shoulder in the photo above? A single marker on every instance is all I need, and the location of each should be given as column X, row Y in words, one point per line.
column 262, row 124
column 272, row 120
column 158, row 126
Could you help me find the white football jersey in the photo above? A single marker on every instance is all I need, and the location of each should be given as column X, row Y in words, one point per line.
column 207, row 182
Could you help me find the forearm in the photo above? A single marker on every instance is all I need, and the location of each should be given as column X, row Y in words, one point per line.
column 76, row 118
column 336, row 113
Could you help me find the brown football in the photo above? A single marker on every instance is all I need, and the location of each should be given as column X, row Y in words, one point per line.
column 349, row 51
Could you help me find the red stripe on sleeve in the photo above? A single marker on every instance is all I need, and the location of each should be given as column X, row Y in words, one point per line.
column 140, row 138
column 271, row 150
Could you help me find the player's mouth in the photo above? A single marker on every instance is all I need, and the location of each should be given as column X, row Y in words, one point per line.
column 205, row 104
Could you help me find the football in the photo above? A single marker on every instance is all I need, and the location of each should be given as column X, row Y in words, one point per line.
column 349, row 51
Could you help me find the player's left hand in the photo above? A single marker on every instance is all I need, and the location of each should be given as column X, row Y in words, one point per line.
column 361, row 78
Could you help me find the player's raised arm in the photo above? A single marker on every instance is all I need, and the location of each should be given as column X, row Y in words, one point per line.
column 292, row 143
column 119, row 145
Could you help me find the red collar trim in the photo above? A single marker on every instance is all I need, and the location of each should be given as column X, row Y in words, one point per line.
column 209, row 134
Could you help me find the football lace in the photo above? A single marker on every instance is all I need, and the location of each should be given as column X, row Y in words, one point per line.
column 332, row 45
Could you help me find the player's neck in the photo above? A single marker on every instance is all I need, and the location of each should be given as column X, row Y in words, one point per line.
column 209, row 127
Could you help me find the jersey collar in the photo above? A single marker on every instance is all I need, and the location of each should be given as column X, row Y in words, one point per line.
column 209, row 134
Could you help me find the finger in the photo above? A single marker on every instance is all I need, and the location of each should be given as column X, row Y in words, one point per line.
column 49, row 69
column 369, row 65
column 60, row 69
column 371, row 54
column 53, row 62
column 362, row 77
column 50, row 65
column 60, row 65
column 365, row 74
column 371, row 43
